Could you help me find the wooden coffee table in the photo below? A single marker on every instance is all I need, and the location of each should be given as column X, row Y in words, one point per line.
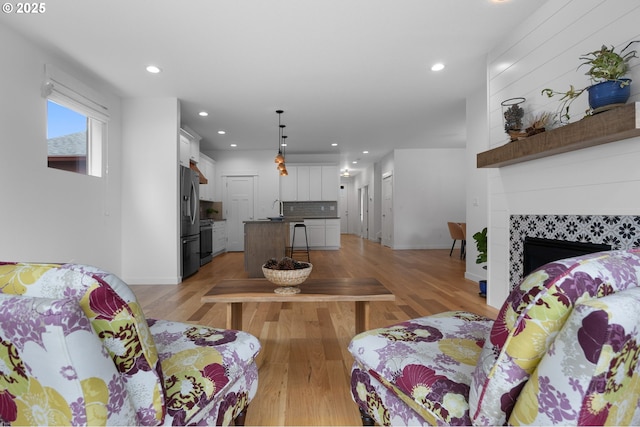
column 234, row 292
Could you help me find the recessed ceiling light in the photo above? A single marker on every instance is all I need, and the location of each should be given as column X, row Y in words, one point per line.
column 365, row 152
column 222, row 132
column 437, row 67
column 203, row 114
column 355, row 162
column 233, row 145
column 335, row 144
column 153, row 69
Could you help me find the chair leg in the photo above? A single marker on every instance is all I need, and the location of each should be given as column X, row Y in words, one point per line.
column 366, row 418
column 451, row 251
column 463, row 249
column 240, row 419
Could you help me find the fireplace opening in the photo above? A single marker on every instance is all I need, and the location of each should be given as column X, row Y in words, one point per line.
column 538, row 252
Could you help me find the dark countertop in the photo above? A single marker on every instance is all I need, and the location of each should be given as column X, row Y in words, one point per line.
column 290, row 219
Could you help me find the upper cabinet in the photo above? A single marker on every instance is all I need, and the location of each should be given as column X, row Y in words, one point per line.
column 289, row 185
column 310, row 183
column 208, row 168
column 189, row 146
column 185, row 149
column 330, row 183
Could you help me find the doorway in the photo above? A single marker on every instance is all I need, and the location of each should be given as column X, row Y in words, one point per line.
column 363, row 201
column 387, row 210
column 344, row 208
column 239, row 202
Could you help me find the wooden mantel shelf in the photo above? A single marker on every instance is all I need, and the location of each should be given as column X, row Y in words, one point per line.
column 613, row 125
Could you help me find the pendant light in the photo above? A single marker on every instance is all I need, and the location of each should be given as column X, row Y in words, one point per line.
column 279, row 157
column 282, row 167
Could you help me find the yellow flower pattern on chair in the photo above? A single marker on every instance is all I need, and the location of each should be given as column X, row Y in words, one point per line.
column 14, row 279
column 80, row 333
column 42, row 406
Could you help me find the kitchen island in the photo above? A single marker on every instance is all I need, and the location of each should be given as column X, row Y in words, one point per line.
column 263, row 239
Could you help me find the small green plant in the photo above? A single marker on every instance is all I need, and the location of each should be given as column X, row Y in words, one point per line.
column 604, row 64
column 481, row 244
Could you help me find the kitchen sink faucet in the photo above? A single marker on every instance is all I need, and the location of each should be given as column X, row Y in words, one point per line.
column 281, row 206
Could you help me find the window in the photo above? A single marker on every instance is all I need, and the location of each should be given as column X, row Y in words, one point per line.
column 76, row 124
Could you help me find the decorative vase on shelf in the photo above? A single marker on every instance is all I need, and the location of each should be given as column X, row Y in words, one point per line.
column 609, row 94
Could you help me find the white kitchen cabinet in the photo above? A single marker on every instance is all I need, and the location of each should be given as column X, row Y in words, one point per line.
column 289, row 185
column 330, row 183
column 316, row 232
column 322, row 234
column 189, row 146
column 332, row 233
column 185, row 150
column 219, row 237
column 303, row 184
column 315, row 183
column 310, row 183
column 207, row 167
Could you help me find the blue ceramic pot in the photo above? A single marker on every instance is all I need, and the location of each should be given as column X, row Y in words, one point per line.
column 609, row 92
column 483, row 287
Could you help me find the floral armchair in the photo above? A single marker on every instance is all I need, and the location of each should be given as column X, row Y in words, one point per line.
column 76, row 349
column 564, row 349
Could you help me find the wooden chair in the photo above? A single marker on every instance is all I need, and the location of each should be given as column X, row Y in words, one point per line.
column 458, row 232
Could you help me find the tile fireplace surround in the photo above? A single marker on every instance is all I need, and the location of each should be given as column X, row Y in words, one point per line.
column 619, row 231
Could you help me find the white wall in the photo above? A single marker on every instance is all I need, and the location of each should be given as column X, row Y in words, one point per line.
column 428, row 191
column 543, row 52
column 51, row 215
column 150, row 179
column 476, row 200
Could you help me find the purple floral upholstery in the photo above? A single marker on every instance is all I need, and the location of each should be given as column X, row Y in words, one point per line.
column 55, row 370
column 458, row 368
column 532, row 316
column 200, row 365
column 591, row 373
column 424, row 365
column 174, row 373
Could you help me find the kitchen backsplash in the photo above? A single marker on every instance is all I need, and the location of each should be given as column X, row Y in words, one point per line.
column 214, row 210
column 311, row 209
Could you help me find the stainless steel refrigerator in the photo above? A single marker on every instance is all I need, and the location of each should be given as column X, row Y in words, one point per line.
column 190, row 221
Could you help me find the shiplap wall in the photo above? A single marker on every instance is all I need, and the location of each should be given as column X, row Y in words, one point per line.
column 544, row 52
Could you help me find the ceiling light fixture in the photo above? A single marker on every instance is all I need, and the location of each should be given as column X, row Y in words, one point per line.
column 365, row 152
column 233, row 145
column 335, row 144
column 153, row 69
column 280, row 156
column 437, row 67
column 203, row 114
column 221, row 132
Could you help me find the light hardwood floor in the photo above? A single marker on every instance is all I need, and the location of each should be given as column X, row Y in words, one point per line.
column 304, row 364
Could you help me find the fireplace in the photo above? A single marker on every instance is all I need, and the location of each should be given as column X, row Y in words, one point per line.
column 538, row 252
column 616, row 231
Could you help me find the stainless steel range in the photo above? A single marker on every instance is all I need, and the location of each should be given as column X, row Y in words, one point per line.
column 206, row 241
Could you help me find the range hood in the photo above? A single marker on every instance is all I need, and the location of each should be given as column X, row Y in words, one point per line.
column 202, row 179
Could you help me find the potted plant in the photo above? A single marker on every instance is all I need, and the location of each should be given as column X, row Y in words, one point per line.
column 609, row 87
column 481, row 244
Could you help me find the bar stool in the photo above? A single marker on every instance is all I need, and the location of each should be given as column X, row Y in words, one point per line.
column 306, row 241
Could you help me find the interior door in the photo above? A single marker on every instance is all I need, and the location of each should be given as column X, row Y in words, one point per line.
column 387, row 211
column 344, row 208
column 364, row 211
column 239, row 201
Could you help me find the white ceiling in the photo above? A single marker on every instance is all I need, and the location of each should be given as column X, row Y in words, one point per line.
column 354, row 72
